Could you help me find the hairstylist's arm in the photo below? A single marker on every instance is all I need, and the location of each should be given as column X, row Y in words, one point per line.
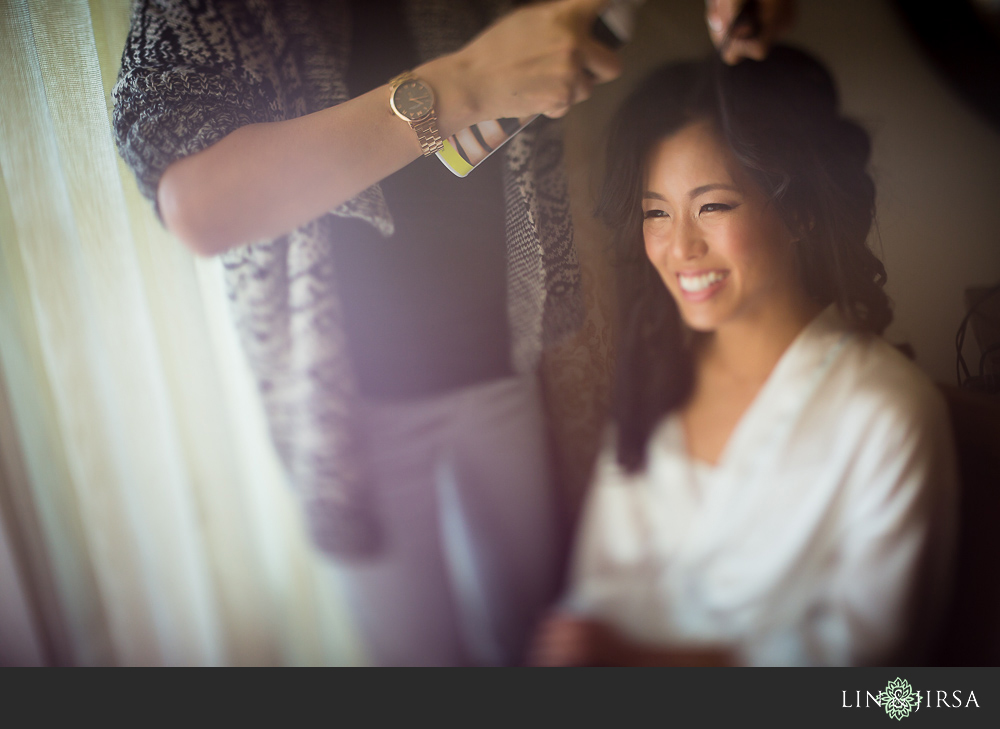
column 264, row 180
column 774, row 18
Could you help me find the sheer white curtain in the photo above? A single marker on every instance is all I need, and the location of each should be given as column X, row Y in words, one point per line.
column 146, row 515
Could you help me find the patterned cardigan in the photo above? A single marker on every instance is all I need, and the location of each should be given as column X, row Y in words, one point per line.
column 194, row 71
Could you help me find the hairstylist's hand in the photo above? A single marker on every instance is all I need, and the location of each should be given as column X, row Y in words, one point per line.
column 539, row 59
column 564, row 639
column 568, row 640
column 775, row 18
column 263, row 180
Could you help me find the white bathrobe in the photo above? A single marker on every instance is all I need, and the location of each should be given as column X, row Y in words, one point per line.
column 823, row 535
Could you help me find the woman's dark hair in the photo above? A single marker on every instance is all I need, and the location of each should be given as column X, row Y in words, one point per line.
column 780, row 118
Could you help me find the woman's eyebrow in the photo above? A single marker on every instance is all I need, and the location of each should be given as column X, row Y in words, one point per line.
column 650, row 195
column 708, row 188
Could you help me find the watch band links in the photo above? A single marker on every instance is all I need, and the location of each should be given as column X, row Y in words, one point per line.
column 428, row 135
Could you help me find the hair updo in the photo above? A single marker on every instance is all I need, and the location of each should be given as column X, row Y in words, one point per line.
column 780, row 119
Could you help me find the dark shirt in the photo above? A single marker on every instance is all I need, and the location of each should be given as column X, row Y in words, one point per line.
column 425, row 310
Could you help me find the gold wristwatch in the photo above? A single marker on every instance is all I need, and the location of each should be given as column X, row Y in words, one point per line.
column 412, row 100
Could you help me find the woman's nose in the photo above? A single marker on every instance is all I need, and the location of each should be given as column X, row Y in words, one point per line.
column 688, row 241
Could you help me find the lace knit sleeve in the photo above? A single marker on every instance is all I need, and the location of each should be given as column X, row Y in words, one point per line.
column 194, row 72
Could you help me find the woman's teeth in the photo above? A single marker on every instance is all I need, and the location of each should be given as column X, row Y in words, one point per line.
column 701, row 282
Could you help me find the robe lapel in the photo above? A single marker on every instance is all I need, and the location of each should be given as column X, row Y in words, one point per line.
column 737, row 522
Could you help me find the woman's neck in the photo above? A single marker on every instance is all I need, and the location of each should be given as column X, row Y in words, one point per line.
column 749, row 347
column 731, row 366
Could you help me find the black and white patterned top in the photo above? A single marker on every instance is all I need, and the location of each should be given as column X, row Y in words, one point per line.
column 194, row 71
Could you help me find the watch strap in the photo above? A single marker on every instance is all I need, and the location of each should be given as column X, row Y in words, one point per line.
column 428, row 135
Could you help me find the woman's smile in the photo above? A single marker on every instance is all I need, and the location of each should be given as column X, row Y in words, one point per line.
column 701, row 285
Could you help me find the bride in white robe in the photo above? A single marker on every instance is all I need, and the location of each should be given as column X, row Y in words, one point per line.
column 795, row 502
column 801, row 544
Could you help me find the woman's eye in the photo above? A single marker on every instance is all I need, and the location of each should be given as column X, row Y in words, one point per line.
column 654, row 214
column 715, row 207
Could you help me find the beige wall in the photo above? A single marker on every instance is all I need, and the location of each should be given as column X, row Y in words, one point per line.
column 936, row 163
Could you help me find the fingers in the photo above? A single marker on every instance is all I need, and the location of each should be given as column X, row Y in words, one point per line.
column 592, row 63
column 737, row 50
column 596, row 57
column 602, row 62
column 540, row 58
column 561, row 641
column 584, row 74
column 719, row 15
column 774, row 18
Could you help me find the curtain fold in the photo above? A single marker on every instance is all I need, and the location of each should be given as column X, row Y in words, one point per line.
column 151, row 514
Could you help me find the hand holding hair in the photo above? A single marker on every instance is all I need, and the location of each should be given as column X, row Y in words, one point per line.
column 763, row 22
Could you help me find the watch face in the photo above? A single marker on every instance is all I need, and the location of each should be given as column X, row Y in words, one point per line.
column 413, row 99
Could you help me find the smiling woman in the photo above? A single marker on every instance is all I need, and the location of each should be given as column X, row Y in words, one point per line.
column 759, row 194
column 778, row 488
column 722, row 250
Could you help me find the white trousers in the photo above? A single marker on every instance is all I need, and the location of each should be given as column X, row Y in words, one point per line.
column 474, row 535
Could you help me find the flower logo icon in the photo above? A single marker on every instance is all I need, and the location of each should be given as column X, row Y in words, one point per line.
column 898, row 699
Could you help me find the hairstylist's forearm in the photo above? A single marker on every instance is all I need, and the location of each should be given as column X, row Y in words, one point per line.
column 264, row 180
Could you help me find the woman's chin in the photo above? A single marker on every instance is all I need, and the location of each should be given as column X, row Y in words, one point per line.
column 704, row 314
column 700, row 321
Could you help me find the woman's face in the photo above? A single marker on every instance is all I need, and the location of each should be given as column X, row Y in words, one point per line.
column 720, row 248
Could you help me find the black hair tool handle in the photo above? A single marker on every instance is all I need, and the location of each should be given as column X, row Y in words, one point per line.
column 606, row 32
column 604, row 35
